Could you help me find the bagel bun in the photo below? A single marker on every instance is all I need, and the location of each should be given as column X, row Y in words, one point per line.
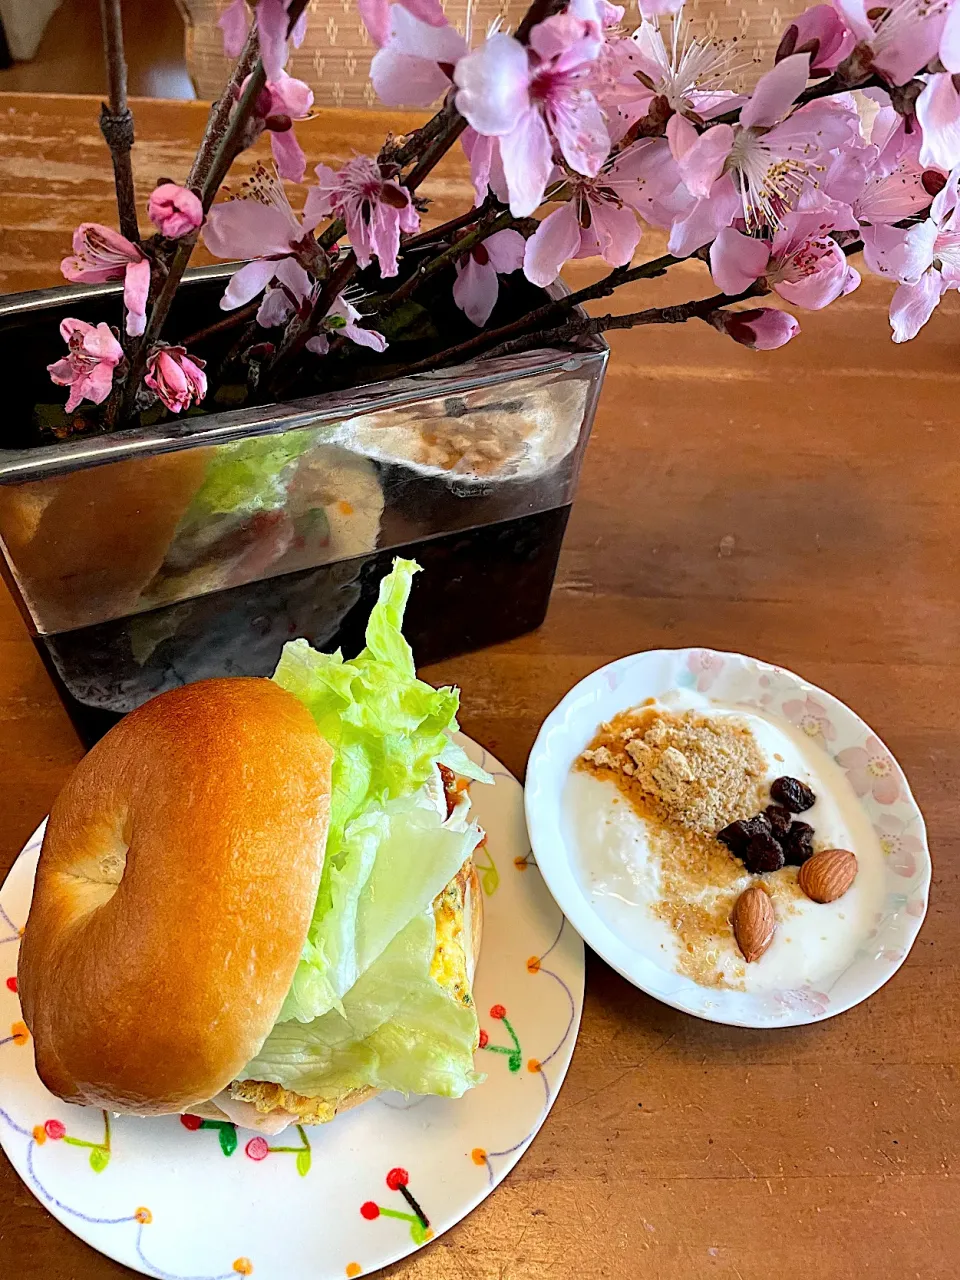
column 269, row 1108
column 176, row 883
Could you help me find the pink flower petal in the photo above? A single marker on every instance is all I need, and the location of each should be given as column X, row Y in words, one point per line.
column 288, row 155
column 950, row 40
column 272, row 23
column 234, row 23
column 527, row 156
column 914, row 304
column 136, row 287
column 174, row 210
column 475, row 290
column 404, row 81
column 851, row 757
column 581, row 133
column 701, row 163
column 554, row 242
column 249, row 229
column 887, row 790
column 736, row 260
column 938, row 111
column 247, row 282
column 777, row 91
column 375, row 15
column 705, row 219
column 364, row 337
column 505, row 250
column 615, row 231
column 493, row 85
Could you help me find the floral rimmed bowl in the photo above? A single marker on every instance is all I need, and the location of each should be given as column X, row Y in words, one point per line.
column 872, row 776
column 182, row 1198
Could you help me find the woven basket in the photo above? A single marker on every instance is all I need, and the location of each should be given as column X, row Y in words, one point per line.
column 335, row 57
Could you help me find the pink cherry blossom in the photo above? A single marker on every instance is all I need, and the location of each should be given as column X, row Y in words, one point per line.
column 900, row 849
column 260, row 226
column 532, row 97
column 341, row 321
column 870, row 769
column 901, row 36
column 375, row 209
column 415, row 64
column 273, row 23
column 821, row 32
column 811, row 717
column 478, row 274
column 771, row 157
column 689, row 72
column 279, row 103
column 924, row 258
column 174, row 210
column 760, row 328
column 657, row 8
column 884, row 181
column 802, row 263
column 178, row 379
column 234, row 22
column 599, row 219
column 938, row 114
column 88, row 368
column 101, row 254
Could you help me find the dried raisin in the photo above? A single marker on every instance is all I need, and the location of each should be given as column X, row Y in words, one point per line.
column 792, row 794
column 763, row 853
column 779, row 819
column 738, row 835
column 798, row 844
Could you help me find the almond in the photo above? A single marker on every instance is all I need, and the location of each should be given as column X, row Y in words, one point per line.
column 754, row 922
column 828, row 874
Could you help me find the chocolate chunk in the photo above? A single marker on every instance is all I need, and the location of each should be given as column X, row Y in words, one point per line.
column 798, row 844
column 792, row 794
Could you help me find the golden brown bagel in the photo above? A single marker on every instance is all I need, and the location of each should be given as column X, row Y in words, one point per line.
column 176, row 883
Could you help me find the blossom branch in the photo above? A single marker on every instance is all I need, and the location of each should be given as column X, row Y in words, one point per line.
column 221, row 111
column 586, row 326
column 222, row 151
column 116, row 120
column 550, row 311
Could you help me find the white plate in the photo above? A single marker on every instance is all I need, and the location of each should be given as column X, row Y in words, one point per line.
column 733, row 679
column 328, row 1201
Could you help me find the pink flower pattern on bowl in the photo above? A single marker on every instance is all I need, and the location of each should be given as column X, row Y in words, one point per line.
column 871, row 770
column 811, row 718
column 706, row 666
column 900, row 848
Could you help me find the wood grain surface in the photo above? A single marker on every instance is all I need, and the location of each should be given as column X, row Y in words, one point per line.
column 800, row 505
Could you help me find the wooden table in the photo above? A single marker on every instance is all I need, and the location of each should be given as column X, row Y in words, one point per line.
column 803, row 506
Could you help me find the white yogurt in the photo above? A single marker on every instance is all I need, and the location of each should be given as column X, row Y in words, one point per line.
column 621, row 873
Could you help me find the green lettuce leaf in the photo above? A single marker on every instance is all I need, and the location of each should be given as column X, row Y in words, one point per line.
column 398, row 1029
column 388, row 852
column 393, row 862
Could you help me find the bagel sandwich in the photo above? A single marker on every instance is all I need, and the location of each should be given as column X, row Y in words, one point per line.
column 256, row 899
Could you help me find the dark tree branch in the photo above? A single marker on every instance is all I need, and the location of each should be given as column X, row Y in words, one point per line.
column 116, row 120
column 221, row 111
column 583, row 326
column 548, row 313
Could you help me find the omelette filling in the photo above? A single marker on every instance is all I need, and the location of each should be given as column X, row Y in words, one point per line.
column 381, row 996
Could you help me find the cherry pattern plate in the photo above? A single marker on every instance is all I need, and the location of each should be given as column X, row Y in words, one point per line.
column 182, row 1198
